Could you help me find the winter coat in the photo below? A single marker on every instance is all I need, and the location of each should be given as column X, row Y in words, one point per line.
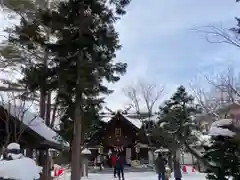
column 177, row 170
column 98, row 159
column 114, row 160
column 119, row 163
column 160, row 165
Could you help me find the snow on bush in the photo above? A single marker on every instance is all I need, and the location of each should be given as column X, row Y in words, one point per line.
column 218, row 130
column 20, row 169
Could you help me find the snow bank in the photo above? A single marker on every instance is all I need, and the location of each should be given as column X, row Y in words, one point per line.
column 20, row 169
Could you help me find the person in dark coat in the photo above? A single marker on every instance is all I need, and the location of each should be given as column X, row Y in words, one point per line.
column 114, row 161
column 120, row 167
column 160, row 167
column 177, row 170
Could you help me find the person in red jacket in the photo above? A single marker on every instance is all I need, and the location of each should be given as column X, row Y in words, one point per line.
column 114, row 162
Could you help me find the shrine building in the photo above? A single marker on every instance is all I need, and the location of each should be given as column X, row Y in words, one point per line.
column 123, row 135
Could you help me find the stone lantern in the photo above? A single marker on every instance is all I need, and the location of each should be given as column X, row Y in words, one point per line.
column 85, row 155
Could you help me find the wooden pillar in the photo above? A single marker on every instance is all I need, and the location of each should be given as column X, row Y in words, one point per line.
column 29, row 152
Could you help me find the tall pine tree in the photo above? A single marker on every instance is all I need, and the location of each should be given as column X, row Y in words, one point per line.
column 83, row 57
column 78, row 62
column 176, row 120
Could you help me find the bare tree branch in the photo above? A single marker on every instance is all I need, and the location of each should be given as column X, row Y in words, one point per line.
column 144, row 95
column 150, row 95
column 219, row 34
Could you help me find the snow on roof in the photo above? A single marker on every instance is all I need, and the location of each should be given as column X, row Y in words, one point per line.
column 34, row 122
column 152, row 118
column 86, row 151
column 136, row 122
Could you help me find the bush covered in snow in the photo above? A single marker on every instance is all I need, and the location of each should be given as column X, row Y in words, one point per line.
column 18, row 167
column 223, row 153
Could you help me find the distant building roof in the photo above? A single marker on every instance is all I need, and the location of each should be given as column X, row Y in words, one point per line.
column 132, row 119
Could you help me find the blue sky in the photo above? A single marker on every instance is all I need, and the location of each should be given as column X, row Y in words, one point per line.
column 161, row 47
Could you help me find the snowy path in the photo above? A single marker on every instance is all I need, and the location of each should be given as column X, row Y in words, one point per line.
column 136, row 176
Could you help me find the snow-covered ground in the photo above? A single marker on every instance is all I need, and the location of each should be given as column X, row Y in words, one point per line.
column 135, row 176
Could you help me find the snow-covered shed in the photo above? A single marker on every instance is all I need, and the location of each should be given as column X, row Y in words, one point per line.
column 19, row 124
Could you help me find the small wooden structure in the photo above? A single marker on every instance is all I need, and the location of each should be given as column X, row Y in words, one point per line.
column 29, row 130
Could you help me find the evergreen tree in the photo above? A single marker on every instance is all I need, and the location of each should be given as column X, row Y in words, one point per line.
column 24, row 51
column 176, row 114
column 80, row 59
column 176, row 121
column 224, row 157
column 83, row 57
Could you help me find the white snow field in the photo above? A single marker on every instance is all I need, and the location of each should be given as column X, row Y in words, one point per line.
column 135, row 176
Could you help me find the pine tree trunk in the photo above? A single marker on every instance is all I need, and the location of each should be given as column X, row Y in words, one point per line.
column 77, row 139
column 42, row 115
column 76, row 145
column 43, row 108
column 43, row 105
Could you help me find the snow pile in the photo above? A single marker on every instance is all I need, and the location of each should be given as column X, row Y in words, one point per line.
column 218, row 130
column 20, row 169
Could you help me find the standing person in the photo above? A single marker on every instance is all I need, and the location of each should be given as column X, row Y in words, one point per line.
column 177, row 170
column 114, row 161
column 102, row 159
column 99, row 161
column 120, row 167
column 160, row 167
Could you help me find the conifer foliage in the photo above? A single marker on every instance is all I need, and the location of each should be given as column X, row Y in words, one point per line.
column 176, row 115
column 72, row 47
column 175, row 122
column 224, row 157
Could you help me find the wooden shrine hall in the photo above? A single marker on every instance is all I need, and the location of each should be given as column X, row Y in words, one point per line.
column 124, row 135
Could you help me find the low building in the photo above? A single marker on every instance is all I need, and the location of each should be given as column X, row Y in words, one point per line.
column 18, row 124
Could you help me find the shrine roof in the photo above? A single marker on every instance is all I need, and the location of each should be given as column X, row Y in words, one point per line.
column 135, row 121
